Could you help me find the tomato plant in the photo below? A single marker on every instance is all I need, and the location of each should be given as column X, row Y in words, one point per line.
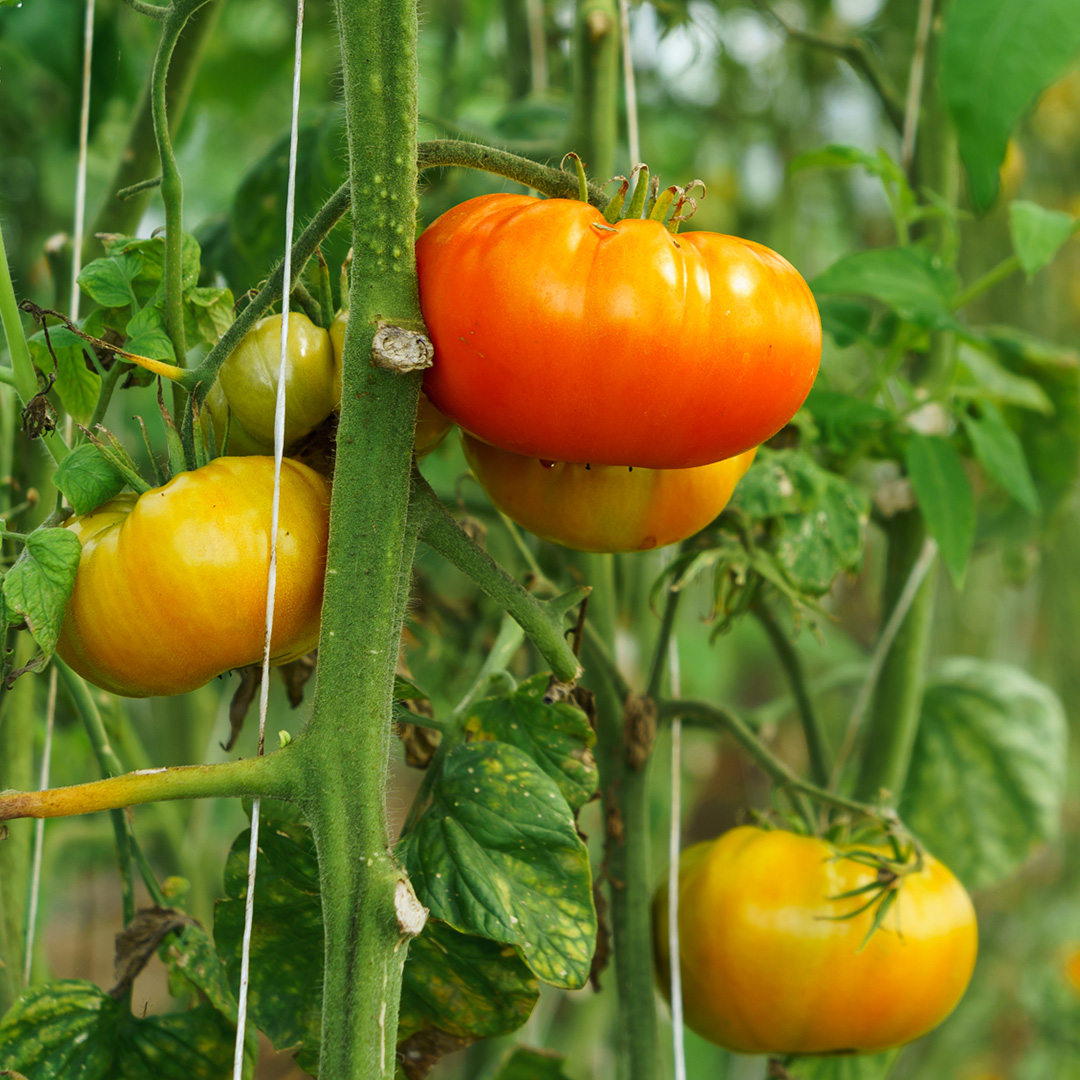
column 604, row 507
column 562, row 337
column 775, row 960
column 431, row 425
column 247, row 383
column 171, row 586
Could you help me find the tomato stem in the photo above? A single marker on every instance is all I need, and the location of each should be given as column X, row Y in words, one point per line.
column 595, row 93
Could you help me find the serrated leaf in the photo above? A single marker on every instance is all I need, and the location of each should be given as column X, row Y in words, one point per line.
column 108, row 281
column 497, row 854
column 987, row 776
column 1000, row 384
column 464, row 985
column 912, row 281
column 406, row 690
column 208, row 313
column 148, row 336
column 86, row 479
column 524, row 1063
column 814, row 520
column 999, row 450
column 945, row 498
column 996, row 57
column 285, row 993
column 37, row 587
column 846, row 422
column 1037, row 233
column 72, row 1030
column 557, row 737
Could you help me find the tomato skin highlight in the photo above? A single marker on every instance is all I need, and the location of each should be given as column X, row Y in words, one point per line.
column 171, row 587
column 246, row 386
column 558, row 336
column 766, row 968
column 604, row 508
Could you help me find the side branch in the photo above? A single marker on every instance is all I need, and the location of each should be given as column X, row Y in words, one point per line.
column 551, row 182
column 271, row 777
column 541, row 620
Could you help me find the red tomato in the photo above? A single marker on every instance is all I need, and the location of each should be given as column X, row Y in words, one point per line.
column 604, row 507
column 561, row 337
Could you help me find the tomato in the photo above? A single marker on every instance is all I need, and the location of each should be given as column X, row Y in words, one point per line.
column 171, row 586
column 767, row 967
column 431, row 425
column 247, row 385
column 604, row 507
column 558, row 336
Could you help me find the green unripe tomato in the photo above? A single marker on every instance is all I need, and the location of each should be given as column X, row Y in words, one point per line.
column 246, row 385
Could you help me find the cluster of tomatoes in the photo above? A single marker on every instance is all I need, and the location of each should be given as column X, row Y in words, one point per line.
column 611, row 379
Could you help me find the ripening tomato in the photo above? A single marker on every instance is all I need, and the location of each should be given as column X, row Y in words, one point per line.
column 559, row 336
column 604, row 507
column 246, row 385
column 431, row 425
column 768, row 967
column 171, row 586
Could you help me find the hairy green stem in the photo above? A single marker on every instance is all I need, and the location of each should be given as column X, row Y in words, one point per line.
column 781, row 774
column 624, row 790
column 555, row 183
column 17, row 723
column 22, row 367
column 816, row 745
column 140, row 156
column 172, row 188
column 344, row 750
column 541, row 620
column 594, row 117
column 894, row 715
column 661, row 648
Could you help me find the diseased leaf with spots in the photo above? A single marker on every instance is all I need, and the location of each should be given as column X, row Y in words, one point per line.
column 987, row 775
column 497, row 854
column 557, row 737
column 37, row 587
column 73, row 1030
column 285, row 993
column 813, row 520
column 76, row 385
column 464, row 985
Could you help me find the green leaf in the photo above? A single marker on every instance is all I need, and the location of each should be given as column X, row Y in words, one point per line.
column 944, row 494
column 910, row 280
column 1001, row 454
column 846, row 321
column 987, row 775
column 463, row 985
column 497, row 854
column 524, row 1063
column 847, row 423
column 1037, row 233
column 285, row 993
column 147, row 335
column 845, row 1067
column 72, row 1030
column 108, row 281
column 37, row 587
column 86, row 479
column 813, row 520
column 407, row 690
column 557, row 737
column 1000, row 384
column 208, row 313
column 996, row 58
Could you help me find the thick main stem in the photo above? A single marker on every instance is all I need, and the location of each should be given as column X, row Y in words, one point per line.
column 370, row 555
column 623, row 786
column 594, row 122
column 894, row 716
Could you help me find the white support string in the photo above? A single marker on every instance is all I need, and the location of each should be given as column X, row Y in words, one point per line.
column 674, row 845
column 271, row 585
column 80, row 175
column 39, row 832
column 633, row 139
